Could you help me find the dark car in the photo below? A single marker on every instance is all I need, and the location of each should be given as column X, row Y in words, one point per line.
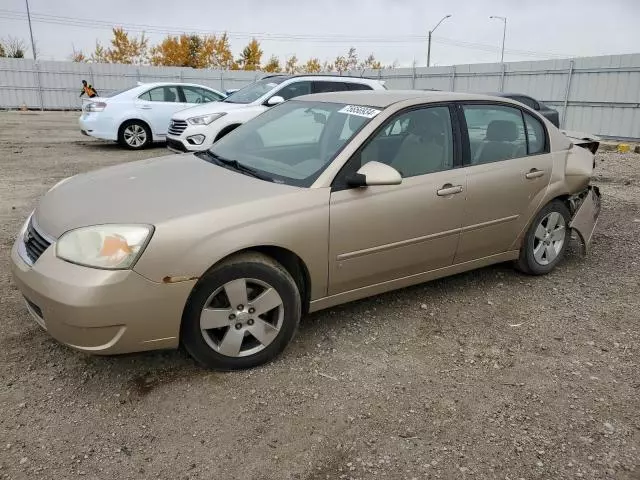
column 549, row 113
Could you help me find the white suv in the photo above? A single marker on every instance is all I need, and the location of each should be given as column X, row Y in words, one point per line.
column 197, row 128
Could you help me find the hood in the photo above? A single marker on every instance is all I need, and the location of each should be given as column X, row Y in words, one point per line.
column 150, row 192
column 208, row 108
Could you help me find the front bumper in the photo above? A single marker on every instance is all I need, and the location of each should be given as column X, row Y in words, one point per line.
column 587, row 210
column 100, row 311
column 184, row 142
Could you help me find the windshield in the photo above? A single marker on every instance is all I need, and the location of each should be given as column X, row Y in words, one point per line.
column 252, row 92
column 294, row 142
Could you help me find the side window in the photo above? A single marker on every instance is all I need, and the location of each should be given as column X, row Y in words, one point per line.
column 294, row 128
column 162, row 94
column 535, row 135
column 423, row 142
column 193, row 95
column 358, row 86
column 321, row 87
column 495, row 133
column 294, row 90
column 210, row 96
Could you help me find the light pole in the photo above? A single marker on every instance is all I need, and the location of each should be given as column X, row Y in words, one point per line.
column 33, row 44
column 430, row 32
column 504, row 33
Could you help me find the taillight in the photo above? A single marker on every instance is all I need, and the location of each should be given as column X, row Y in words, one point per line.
column 95, row 107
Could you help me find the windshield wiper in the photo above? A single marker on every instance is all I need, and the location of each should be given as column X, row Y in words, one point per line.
column 240, row 167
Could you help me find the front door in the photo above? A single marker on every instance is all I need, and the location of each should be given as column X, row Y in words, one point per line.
column 508, row 171
column 384, row 233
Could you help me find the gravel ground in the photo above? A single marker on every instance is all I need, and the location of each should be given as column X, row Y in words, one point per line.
column 488, row 374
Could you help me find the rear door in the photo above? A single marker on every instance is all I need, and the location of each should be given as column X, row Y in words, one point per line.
column 158, row 106
column 508, row 168
column 384, row 233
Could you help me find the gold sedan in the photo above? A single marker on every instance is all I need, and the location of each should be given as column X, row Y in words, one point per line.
column 319, row 201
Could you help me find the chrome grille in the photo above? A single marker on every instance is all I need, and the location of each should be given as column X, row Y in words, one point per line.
column 176, row 127
column 35, row 244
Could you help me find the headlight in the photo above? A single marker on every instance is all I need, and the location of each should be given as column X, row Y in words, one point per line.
column 95, row 107
column 205, row 119
column 104, row 246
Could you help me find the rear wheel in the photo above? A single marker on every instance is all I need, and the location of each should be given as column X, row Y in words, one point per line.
column 547, row 239
column 135, row 135
column 241, row 314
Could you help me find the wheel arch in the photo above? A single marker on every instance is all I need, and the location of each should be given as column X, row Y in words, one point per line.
column 562, row 197
column 292, row 263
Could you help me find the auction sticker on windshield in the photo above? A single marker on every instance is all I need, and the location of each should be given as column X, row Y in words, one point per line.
column 366, row 112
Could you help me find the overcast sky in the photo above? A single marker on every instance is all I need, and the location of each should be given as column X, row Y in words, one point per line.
column 394, row 30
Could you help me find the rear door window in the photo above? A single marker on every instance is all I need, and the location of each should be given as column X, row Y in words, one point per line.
column 536, row 135
column 496, row 133
column 162, row 94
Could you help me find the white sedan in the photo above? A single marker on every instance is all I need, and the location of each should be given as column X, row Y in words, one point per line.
column 140, row 115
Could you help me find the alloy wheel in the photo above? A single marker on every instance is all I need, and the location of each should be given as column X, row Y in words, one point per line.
column 549, row 238
column 135, row 135
column 242, row 317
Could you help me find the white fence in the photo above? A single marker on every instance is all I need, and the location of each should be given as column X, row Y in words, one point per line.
column 599, row 95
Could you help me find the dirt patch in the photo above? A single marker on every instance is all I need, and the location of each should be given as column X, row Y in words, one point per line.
column 488, row 374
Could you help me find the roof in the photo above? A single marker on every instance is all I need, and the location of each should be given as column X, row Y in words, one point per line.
column 385, row 98
column 345, row 78
column 163, row 84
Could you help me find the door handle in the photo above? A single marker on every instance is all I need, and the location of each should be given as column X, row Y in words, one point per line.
column 448, row 189
column 145, row 107
column 534, row 173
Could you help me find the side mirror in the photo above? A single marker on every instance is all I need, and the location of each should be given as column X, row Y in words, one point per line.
column 275, row 100
column 374, row 173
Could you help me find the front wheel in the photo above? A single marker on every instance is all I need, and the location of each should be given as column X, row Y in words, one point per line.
column 547, row 239
column 134, row 135
column 241, row 314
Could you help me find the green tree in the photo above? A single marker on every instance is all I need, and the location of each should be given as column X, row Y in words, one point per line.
column 273, row 65
column 251, row 56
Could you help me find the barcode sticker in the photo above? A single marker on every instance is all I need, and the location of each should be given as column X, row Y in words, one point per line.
column 366, row 112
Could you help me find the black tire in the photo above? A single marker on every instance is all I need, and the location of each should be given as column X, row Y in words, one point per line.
column 244, row 266
column 138, row 125
column 527, row 262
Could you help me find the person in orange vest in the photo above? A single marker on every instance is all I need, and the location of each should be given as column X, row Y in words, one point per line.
column 88, row 89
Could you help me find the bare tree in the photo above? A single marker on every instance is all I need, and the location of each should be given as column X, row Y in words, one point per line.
column 14, row 47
